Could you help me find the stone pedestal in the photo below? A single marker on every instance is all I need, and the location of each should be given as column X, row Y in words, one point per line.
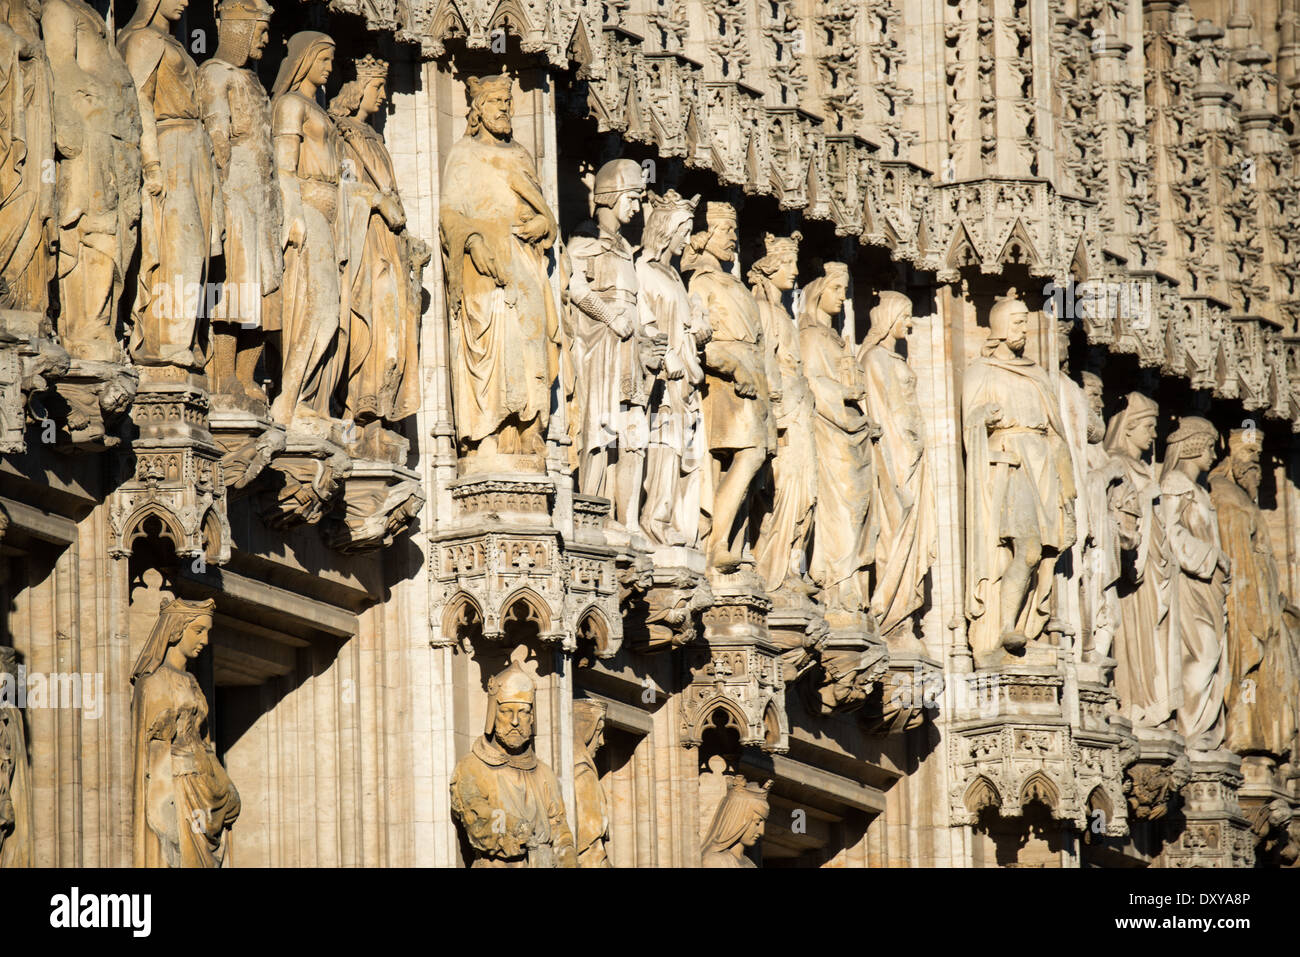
column 379, row 500
column 1154, row 780
column 1210, row 830
column 667, row 613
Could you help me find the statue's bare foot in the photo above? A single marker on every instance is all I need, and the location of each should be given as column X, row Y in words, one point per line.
column 1013, row 642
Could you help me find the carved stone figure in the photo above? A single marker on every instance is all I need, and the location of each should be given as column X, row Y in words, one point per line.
column 181, row 223
column 508, row 802
column 1098, row 519
column 1262, row 691
column 677, row 452
column 902, row 500
column 787, row 526
column 1019, row 487
column 611, row 345
column 591, row 807
column 843, row 539
column 15, row 775
column 183, row 801
column 97, row 137
column 741, row 384
column 1198, row 587
column 313, row 340
column 384, row 327
column 237, row 115
column 737, row 824
column 496, row 227
column 1146, row 652
column 26, row 160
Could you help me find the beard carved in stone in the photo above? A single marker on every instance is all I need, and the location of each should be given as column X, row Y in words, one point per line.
column 384, row 320
column 183, row 800
column 237, row 115
column 496, row 227
column 97, row 132
column 181, row 223
column 677, row 456
column 313, row 340
column 1019, row 487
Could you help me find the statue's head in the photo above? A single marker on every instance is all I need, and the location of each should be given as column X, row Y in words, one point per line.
column 619, row 186
column 588, row 725
column 181, row 623
column 780, row 262
column 511, row 698
column 1244, row 448
column 1133, row 430
column 741, row 816
column 1009, row 322
column 1192, row 443
column 1093, row 392
column 309, row 59
column 366, row 94
column 823, row 298
column 668, row 224
column 891, row 318
column 719, row 236
column 490, row 104
column 243, row 29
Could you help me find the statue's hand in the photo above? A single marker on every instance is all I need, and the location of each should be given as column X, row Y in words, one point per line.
column 483, row 260
column 153, row 182
column 744, row 383
column 621, row 326
column 993, row 416
column 390, row 207
column 534, row 229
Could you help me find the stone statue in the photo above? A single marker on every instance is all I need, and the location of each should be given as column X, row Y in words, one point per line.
column 1146, row 652
column 741, row 385
column 786, row 530
column 496, row 227
column 181, row 224
column 237, row 114
column 591, row 807
column 1262, row 690
column 610, row 346
column 509, row 802
column 16, row 810
column 313, row 340
column 677, row 452
column 1098, row 519
column 1198, row 585
column 182, row 799
column 843, row 538
column 1019, row 487
column 902, row 500
column 384, row 326
column 97, row 138
column 26, row 160
column 737, row 824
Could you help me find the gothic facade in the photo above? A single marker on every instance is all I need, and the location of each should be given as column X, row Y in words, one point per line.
column 650, row 433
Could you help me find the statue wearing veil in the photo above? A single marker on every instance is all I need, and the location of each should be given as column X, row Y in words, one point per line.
column 787, row 527
column 313, row 341
column 496, row 227
column 183, row 802
column 384, row 323
column 1146, row 652
column 737, row 824
column 237, row 114
column 902, row 499
column 677, row 455
column 1198, row 591
column 97, row 139
column 591, row 806
column 181, row 224
column 843, row 535
column 16, row 811
column 26, row 158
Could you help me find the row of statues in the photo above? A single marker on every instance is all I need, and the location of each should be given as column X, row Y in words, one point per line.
column 255, row 219
column 706, row 412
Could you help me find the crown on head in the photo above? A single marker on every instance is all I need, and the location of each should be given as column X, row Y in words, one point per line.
column 835, row 270
column 370, row 68
column 782, row 245
column 673, row 202
column 718, row 214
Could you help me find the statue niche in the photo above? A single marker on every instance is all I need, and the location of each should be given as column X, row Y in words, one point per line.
column 183, row 802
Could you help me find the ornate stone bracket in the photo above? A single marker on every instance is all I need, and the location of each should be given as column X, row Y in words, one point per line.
column 305, row 481
column 89, row 403
column 29, row 361
column 379, row 502
column 174, row 474
column 910, row 690
column 1210, row 830
column 1154, row 780
column 735, row 671
column 666, row 612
